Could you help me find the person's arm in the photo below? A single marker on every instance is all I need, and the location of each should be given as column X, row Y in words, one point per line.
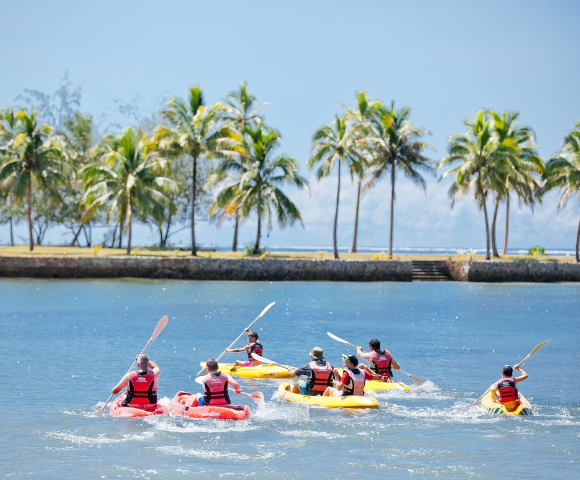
column 234, row 384
column 369, row 375
column 361, row 354
column 121, row 385
column 155, row 368
column 296, row 372
column 342, row 383
column 523, row 375
column 394, row 364
column 238, row 350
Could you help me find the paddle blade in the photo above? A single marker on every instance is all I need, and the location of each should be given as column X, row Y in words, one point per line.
column 338, row 339
column 159, row 328
column 418, row 380
column 258, row 397
column 199, row 379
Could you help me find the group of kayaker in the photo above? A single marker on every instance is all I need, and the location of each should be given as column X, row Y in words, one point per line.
column 321, row 377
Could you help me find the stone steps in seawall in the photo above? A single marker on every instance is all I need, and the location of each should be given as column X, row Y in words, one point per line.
column 430, row 271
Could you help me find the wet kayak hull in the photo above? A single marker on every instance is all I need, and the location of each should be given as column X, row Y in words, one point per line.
column 259, row 371
column 496, row 408
column 118, row 410
column 352, row 401
column 183, row 404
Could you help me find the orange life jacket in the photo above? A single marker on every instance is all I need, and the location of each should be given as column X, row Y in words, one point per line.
column 256, row 348
column 356, row 382
column 140, row 391
column 381, row 363
column 321, row 377
column 507, row 390
column 216, row 389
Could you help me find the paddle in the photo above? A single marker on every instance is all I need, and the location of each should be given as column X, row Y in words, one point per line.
column 266, row 360
column 533, row 352
column 417, row 380
column 203, row 371
column 258, row 397
column 158, row 329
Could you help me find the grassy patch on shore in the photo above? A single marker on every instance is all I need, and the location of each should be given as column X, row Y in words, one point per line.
column 52, row 251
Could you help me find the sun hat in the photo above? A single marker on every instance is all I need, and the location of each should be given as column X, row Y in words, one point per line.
column 317, row 353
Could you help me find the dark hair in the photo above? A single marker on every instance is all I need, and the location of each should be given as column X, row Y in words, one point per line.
column 253, row 334
column 374, row 344
column 507, row 371
column 212, row 365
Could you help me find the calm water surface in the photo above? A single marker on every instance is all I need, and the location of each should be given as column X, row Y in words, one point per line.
column 64, row 344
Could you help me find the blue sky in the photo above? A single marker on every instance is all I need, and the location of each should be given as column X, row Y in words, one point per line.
column 445, row 60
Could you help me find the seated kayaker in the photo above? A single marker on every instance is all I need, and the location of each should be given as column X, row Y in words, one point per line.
column 253, row 346
column 319, row 372
column 380, row 361
column 141, row 384
column 353, row 379
column 215, row 385
column 505, row 391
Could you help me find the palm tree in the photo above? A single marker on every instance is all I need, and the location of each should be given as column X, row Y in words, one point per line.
column 242, row 112
column 359, row 167
column 333, row 145
column 524, row 161
column 31, row 155
column 563, row 172
column 478, row 165
column 396, row 146
column 261, row 175
column 197, row 131
column 128, row 181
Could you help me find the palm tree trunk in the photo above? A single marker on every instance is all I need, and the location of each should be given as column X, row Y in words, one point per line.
column 193, row 247
column 257, row 245
column 487, row 255
column 493, row 223
column 29, row 211
column 578, row 244
column 334, row 239
column 114, row 235
column 236, row 228
column 11, row 232
column 353, row 249
column 129, row 225
column 121, row 225
column 392, row 210
column 507, row 224
column 76, row 237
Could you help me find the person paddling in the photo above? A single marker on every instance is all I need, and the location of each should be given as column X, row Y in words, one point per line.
column 380, row 361
column 216, row 386
column 505, row 391
column 319, row 372
column 253, row 346
column 141, row 384
column 353, row 379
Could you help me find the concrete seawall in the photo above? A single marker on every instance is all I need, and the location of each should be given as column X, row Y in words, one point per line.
column 514, row 271
column 272, row 269
column 206, row 269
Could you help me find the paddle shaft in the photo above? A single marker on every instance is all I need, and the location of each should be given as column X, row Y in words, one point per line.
column 267, row 360
column 203, row 371
column 158, row 329
column 526, row 358
column 415, row 379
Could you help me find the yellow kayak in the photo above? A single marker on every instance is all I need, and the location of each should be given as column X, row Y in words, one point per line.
column 352, row 401
column 492, row 406
column 378, row 386
column 260, row 371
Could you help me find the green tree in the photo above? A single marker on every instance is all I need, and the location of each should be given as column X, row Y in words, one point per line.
column 563, row 172
column 128, row 181
column 32, row 156
column 360, row 118
column 197, row 131
column 519, row 173
column 397, row 147
column 333, row 145
column 261, row 176
column 478, row 165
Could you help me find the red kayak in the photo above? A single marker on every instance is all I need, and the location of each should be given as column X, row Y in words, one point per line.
column 182, row 404
column 118, row 410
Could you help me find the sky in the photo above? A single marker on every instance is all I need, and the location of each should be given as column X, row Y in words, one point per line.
column 444, row 60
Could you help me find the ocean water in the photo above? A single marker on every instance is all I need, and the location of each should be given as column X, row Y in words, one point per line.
column 64, row 344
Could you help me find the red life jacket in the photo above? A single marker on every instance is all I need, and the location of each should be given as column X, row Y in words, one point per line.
column 216, row 389
column 256, row 348
column 381, row 363
column 140, row 391
column 321, row 377
column 356, row 382
column 507, row 390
